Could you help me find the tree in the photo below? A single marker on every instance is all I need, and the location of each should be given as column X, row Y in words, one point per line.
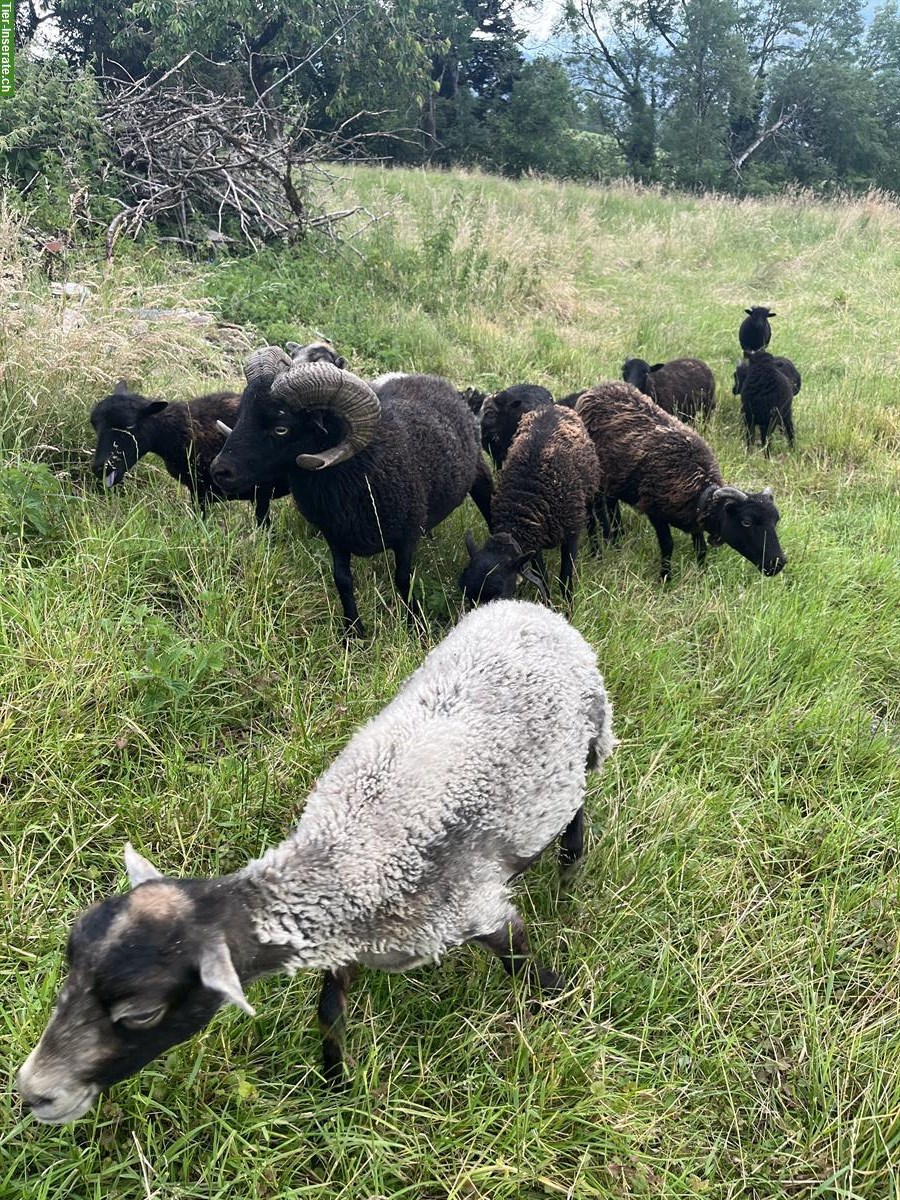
column 614, row 61
column 532, row 130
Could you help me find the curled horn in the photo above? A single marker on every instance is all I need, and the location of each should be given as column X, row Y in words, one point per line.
column 265, row 363
column 728, row 493
column 321, row 385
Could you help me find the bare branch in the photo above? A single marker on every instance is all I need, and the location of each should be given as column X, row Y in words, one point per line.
column 768, row 132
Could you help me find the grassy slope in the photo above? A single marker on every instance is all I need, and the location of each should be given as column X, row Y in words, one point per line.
column 732, row 1028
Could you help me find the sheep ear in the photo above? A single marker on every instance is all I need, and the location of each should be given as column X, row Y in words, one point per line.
column 121, row 388
column 471, row 544
column 341, row 362
column 154, row 406
column 138, row 868
column 218, row 974
column 773, row 314
column 529, row 573
column 657, row 366
column 767, row 492
column 749, row 312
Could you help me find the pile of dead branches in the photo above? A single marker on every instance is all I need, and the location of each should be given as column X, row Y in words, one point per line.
column 213, row 168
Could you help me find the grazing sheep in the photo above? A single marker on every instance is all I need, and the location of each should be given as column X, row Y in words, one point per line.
column 187, row 437
column 373, row 466
column 548, row 481
column 755, row 332
column 767, row 397
column 501, row 413
column 683, row 386
column 784, row 365
column 406, row 848
column 665, row 469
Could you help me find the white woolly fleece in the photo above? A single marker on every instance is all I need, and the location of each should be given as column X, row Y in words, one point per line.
column 409, row 839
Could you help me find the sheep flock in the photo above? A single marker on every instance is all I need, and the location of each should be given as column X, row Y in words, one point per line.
column 410, row 840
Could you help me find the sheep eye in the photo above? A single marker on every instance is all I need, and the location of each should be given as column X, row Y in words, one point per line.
column 281, row 430
column 746, row 524
column 145, row 1020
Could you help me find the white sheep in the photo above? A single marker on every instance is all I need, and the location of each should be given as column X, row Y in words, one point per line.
column 406, row 848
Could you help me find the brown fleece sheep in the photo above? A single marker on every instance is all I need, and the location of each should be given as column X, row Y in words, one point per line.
column 549, row 479
column 665, row 469
column 683, row 386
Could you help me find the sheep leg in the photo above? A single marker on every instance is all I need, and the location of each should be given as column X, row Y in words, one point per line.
column 749, row 431
column 482, row 489
column 343, row 581
column 510, row 944
column 568, row 552
column 664, row 536
column 788, row 422
column 403, row 555
column 699, row 546
column 263, row 500
column 571, row 848
column 593, row 540
column 332, row 1014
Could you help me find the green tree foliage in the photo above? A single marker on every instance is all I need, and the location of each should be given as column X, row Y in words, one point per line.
column 737, row 95
column 615, row 62
column 52, row 149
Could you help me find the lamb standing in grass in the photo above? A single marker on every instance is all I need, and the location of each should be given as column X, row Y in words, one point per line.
column 406, row 848
column 653, row 461
column 767, row 398
column 549, row 479
column 187, row 437
column 755, row 332
column 784, row 365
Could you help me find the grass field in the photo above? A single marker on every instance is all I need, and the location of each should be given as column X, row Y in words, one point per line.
column 732, row 1028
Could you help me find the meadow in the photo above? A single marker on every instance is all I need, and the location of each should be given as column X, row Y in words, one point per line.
column 732, row 1024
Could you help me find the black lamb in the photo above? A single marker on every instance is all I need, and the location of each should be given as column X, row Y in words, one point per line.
column 186, row 436
column 767, row 397
column 548, row 481
column 755, row 332
column 784, row 365
column 373, row 466
column 501, row 413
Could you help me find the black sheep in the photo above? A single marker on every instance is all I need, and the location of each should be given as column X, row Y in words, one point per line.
column 784, row 365
column 548, row 481
column 371, row 466
column 501, row 413
column 665, row 469
column 755, row 332
column 767, row 397
column 682, row 386
column 185, row 436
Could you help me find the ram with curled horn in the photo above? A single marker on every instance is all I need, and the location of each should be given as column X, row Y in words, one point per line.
column 664, row 468
column 373, row 466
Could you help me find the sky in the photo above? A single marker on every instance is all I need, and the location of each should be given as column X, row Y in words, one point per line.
column 539, row 22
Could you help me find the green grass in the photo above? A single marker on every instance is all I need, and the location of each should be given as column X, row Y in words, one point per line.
column 733, row 1024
